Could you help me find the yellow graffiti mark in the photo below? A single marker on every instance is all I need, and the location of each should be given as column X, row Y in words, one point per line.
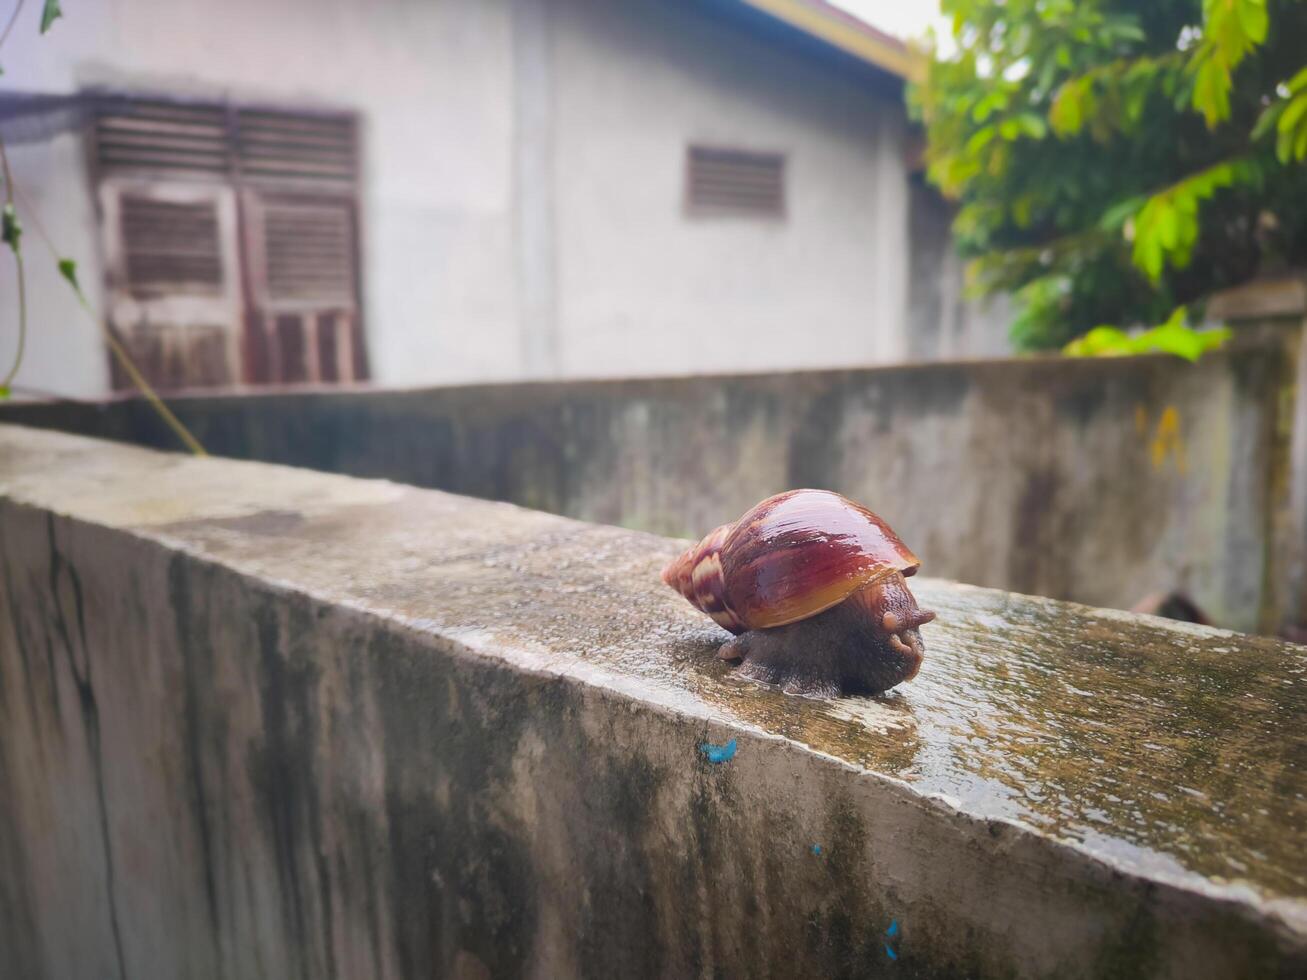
column 1167, row 440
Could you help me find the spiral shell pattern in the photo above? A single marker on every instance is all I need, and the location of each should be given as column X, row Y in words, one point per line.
column 697, row 574
column 790, row 557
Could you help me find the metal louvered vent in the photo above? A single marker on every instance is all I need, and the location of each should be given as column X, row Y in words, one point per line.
column 309, row 247
column 139, row 135
column 170, row 248
column 281, row 145
column 735, row 182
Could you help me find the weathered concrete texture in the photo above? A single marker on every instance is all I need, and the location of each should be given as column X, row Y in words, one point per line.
column 261, row 722
column 1098, row 481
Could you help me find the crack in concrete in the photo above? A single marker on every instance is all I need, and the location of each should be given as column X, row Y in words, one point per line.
column 90, row 720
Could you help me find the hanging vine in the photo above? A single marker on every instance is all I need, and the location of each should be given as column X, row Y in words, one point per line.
column 11, row 233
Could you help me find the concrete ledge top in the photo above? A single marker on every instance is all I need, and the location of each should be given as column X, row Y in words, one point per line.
column 1170, row 752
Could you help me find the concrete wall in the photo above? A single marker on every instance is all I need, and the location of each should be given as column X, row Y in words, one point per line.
column 265, row 723
column 523, row 166
column 1098, row 481
column 1274, row 311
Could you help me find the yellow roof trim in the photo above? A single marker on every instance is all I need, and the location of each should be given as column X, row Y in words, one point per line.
column 884, row 52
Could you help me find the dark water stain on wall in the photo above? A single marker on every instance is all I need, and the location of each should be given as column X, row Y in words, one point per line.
column 617, row 856
column 815, row 454
column 22, row 641
column 283, row 771
column 18, row 953
column 193, row 637
column 18, row 926
column 1036, row 563
column 837, row 931
column 459, row 868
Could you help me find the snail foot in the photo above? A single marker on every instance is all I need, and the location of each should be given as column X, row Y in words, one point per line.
column 845, row 650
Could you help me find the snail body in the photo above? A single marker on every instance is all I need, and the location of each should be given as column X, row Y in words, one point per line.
column 814, row 587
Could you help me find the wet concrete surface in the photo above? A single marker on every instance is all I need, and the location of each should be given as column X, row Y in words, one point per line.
column 1054, row 773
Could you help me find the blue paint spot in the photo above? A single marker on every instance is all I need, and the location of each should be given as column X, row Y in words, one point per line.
column 816, row 849
column 718, row 753
column 891, row 932
column 890, row 953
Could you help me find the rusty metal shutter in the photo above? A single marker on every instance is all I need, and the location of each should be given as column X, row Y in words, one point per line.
column 206, row 140
column 172, row 359
column 269, row 280
column 176, row 139
column 296, row 146
column 309, row 252
column 170, row 247
column 735, row 182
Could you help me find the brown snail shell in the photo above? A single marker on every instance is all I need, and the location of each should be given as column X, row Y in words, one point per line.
column 809, row 557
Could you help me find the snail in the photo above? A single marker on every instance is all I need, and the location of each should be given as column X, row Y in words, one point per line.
column 814, row 588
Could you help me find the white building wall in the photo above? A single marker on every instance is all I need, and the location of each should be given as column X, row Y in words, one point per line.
column 523, row 181
column 432, row 82
column 65, row 354
column 645, row 288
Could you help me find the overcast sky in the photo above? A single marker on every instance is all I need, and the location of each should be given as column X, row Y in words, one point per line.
column 907, row 19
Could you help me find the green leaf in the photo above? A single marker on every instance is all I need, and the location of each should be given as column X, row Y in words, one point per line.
column 49, row 14
column 992, row 101
column 979, row 140
column 1212, row 91
column 1290, row 126
column 1177, row 338
column 1022, row 209
column 1136, row 92
column 1168, row 226
column 1267, row 120
column 1100, row 342
column 68, row 269
column 1130, row 31
column 11, row 229
column 1298, row 82
column 4, row 393
column 1047, row 74
column 1253, row 19
column 1117, row 215
column 1292, row 113
column 1033, row 125
column 1148, row 253
column 1172, row 337
column 1066, row 115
